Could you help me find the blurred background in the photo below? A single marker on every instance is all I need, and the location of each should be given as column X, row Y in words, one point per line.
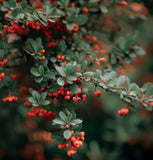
column 108, row 136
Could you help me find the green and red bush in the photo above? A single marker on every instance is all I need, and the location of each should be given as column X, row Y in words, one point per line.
column 55, row 54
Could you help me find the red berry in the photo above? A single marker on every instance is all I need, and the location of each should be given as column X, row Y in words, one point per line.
column 67, row 97
column 123, row 3
column 76, row 27
column 82, row 134
column 66, row 145
column 151, row 103
column 5, row 61
column 119, row 112
column 84, row 97
column 62, row 57
column 103, row 59
column 43, row 58
column 97, row 93
column 97, row 63
column 76, row 144
column 60, row 146
column 85, row 10
column 72, row 139
column 2, row 74
column 42, row 51
column 58, row 56
column 1, row 63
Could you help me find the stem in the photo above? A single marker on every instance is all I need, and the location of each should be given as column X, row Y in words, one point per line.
column 117, row 92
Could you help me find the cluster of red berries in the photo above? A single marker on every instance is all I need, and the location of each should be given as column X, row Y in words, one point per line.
column 68, row 94
column 48, row 29
column 78, row 99
column 97, row 93
column 52, row 43
column 16, row 28
column 59, row 57
column 34, row 24
column 42, row 113
column 97, row 61
column 94, row 39
column 123, row 111
column 3, row 62
column 2, row 75
column 10, row 99
column 74, row 143
column 42, row 52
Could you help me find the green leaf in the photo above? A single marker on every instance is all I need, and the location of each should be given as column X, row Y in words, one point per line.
column 74, row 88
column 43, row 95
column 133, row 87
column 12, row 3
column 60, row 81
column 127, row 60
column 43, row 22
column 39, row 79
column 31, row 45
column 32, row 100
column 80, row 19
column 77, row 134
column 147, row 85
column 149, row 91
column 88, row 74
column 41, row 69
column 93, row 1
column 112, row 74
column 139, row 51
column 16, row 11
column 49, row 75
column 76, row 38
column 121, row 81
column 60, row 71
column 95, row 54
column 36, row 95
column 103, row 8
column 34, row 71
column 69, row 117
column 24, row 4
column 149, row 108
column 59, row 121
column 3, row 49
column 83, row 65
column 69, row 26
column 63, row 116
column 44, row 102
column 71, row 78
column 67, row 134
column 4, row 9
column 75, row 122
column 6, row 4
column 43, row 17
column 62, row 45
column 54, row 88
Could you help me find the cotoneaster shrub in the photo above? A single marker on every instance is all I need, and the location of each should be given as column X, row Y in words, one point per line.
column 49, row 57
